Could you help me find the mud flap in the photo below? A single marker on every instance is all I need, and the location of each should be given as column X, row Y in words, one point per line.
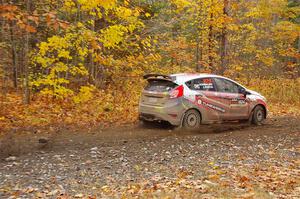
column 181, row 120
column 251, row 115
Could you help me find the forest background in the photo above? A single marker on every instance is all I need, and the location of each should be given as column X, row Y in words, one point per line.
column 79, row 63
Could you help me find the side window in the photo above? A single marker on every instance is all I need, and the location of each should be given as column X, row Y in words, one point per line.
column 226, row 86
column 201, row 84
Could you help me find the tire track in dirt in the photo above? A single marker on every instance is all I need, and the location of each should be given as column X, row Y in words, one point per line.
column 20, row 143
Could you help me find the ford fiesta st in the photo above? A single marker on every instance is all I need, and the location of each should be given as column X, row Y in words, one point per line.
column 190, row 100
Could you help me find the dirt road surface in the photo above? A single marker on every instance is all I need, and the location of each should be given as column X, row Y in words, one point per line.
column 231, row 161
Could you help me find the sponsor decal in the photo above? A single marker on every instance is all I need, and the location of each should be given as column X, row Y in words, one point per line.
column 238, row 101
column 241, row 101
column 214, row 107
column 203, row 86
column 209, row 105
column 206, row 83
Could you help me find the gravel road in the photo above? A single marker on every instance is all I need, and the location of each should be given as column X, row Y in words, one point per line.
column 232, row 160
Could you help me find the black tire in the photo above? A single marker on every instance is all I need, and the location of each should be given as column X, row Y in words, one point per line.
column 146, row 123
column 258, row 115
column 191, row 120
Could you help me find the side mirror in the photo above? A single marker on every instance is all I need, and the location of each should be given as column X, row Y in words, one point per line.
column 244, row 92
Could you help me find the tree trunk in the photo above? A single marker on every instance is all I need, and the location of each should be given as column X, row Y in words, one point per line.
column 298, row 59
column 198, row 67
column 92, row 64
column 14, row 57
column 3, row 75
column 224, row 41
column 210, row 42
column 26, row 97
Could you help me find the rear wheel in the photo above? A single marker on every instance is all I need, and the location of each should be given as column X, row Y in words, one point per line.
column 191, row 120
column 146, row 123
column 258, row 115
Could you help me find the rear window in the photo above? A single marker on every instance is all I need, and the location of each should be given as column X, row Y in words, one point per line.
column 160, row 85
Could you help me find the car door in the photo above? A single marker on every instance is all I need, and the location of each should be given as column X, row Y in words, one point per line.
column 205, row 93
column 229, row 94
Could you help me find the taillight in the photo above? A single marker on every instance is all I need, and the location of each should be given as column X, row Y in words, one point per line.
column 177, row 92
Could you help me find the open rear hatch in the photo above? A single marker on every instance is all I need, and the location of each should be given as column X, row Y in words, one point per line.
column 157, row 91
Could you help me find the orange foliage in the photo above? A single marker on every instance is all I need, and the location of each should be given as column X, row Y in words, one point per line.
column 106, row 107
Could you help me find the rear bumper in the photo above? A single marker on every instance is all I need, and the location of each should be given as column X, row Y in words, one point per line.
column 171, row 113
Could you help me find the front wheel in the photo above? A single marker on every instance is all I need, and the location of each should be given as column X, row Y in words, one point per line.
column 258, row 115
column 191, row 120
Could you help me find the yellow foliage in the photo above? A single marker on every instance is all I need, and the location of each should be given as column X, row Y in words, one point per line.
column 85, row 94
column 123, row 12
column 286, row 31
column 53, row 54
column 69, row 3
column 113, row 35
column 92, row 4
column 181, row 4
column 278, row 90
column 59, row 92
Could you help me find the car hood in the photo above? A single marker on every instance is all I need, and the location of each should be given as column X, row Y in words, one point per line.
column 257, row 94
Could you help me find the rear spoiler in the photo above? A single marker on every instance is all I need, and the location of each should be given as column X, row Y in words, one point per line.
column 157, row 76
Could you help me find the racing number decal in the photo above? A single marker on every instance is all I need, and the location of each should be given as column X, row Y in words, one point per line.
column 207, row 81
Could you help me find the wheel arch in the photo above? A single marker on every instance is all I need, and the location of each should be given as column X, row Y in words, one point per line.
column 263, row 106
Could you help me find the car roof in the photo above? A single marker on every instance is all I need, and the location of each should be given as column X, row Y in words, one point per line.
column 181, row 78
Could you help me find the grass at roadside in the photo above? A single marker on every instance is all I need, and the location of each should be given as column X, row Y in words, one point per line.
column 283, row 95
